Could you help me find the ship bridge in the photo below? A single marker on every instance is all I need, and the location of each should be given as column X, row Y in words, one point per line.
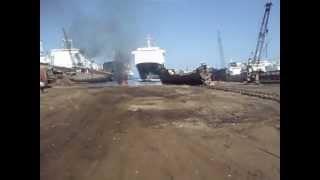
column 149, row 54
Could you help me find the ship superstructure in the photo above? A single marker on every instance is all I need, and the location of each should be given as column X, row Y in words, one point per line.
column 149, row 61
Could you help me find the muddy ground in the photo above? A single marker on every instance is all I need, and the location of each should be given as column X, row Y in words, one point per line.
column 157, row 133
column 268, row 88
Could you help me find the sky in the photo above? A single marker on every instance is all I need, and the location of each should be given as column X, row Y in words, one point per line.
column 186, row 29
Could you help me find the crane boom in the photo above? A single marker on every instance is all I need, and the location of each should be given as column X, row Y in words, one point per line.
column 253, row 75
column 262, row 33
column 265, row 48
column 67, row 45
column 67, row 42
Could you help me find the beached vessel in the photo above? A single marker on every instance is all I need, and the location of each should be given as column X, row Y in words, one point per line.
column 91, row 77
column 149, row 61
column 196, row 77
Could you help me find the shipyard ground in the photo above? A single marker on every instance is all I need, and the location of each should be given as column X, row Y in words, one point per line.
column 157, row 133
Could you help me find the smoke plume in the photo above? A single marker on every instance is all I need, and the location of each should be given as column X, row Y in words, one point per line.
column 107, row 31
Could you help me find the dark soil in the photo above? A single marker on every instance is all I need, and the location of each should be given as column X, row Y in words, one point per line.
column 158, row 133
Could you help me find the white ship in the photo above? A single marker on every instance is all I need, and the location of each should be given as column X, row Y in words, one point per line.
column 149, row 60
column 235, row 68
column 262, row 66
column 69, row 57
column 274, row 66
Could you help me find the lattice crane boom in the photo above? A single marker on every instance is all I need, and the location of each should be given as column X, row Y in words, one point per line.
column 68, row 45
column 253, row 75
column 262, row 33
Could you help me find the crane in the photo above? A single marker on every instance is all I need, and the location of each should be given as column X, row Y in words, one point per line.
column 265, row 48
column 67, row 42
column 254, row 75
column 222, row 60
column 68, row 46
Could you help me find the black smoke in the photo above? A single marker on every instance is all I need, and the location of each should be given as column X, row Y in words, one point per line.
column 108, row 32
column 120, row 66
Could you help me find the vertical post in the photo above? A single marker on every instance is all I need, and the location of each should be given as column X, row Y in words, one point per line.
column 149, row 41
column 222, row 60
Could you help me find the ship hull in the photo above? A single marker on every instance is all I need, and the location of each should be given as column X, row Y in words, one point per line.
column 186, row 79
column 270, row 77
column 91, row 78
column 219, row 74
column 265, row 77
column 149, row 70
column 197, row 77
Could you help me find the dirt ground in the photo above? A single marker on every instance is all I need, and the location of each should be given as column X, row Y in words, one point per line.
column 269, row 88
column 157, row 133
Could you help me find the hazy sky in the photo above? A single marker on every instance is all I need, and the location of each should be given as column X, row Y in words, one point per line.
column 186, row 29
